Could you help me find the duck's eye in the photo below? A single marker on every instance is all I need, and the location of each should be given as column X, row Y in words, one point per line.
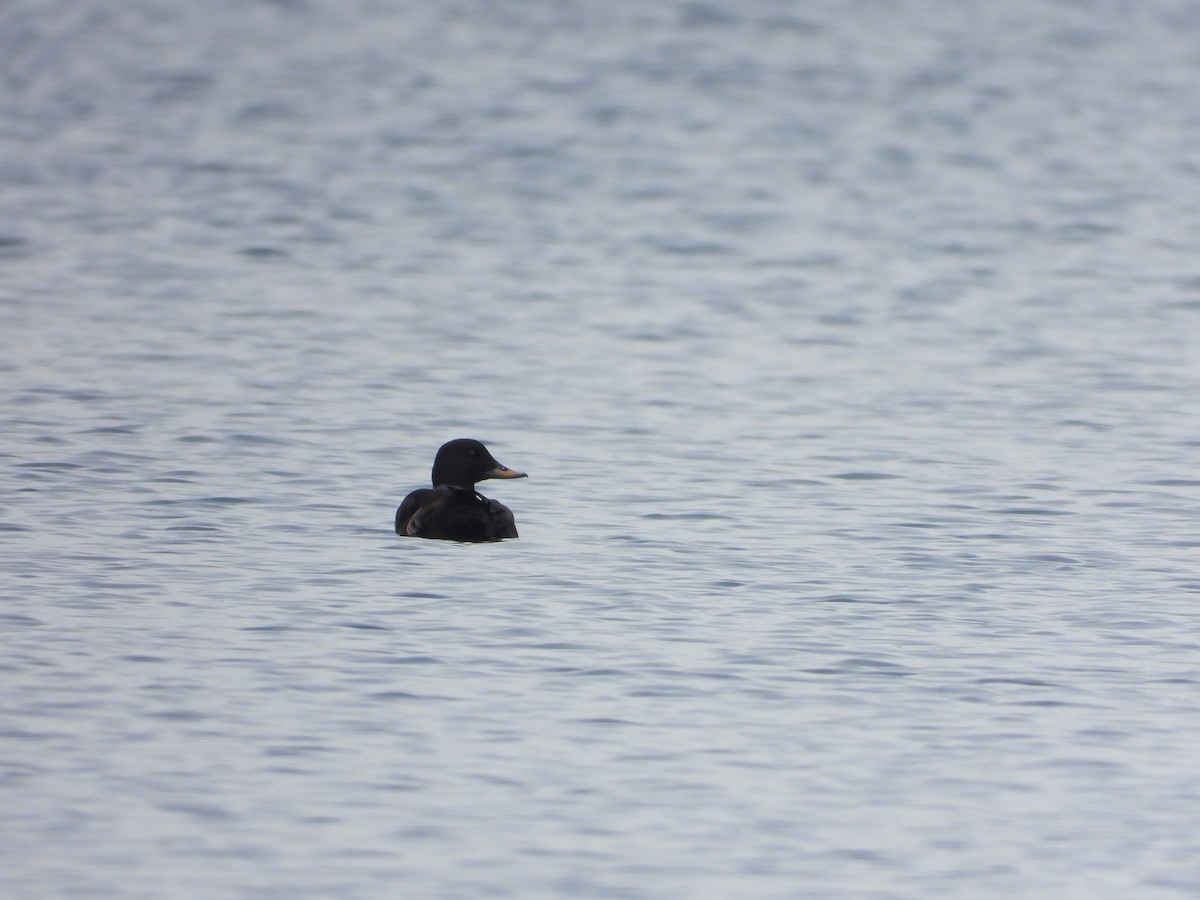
column 471, row 453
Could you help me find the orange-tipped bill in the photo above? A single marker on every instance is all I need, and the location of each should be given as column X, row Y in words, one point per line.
column 504, row 472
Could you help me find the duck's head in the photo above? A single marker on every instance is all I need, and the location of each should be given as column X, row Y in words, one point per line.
column 464, row 462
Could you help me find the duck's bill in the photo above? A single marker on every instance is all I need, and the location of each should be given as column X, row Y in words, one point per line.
column 504, row 472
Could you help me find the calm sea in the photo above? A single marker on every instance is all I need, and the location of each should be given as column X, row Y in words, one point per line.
column 852, row 348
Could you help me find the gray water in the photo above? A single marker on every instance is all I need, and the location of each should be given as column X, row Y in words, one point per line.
column 852, row 350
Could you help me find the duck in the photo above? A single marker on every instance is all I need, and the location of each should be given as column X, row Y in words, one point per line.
column 452, row 510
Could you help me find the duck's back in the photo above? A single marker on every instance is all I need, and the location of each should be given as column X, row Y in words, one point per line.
column 408, row 507
column 454, row 514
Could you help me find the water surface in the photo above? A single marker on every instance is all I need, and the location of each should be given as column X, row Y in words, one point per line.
column 852, row 352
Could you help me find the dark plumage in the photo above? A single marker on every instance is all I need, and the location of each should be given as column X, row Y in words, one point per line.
column 452, row 509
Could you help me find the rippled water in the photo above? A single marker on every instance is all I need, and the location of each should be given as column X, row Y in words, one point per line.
column 851, row 348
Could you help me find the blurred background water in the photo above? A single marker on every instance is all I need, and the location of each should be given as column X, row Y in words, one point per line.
column 850, row 346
